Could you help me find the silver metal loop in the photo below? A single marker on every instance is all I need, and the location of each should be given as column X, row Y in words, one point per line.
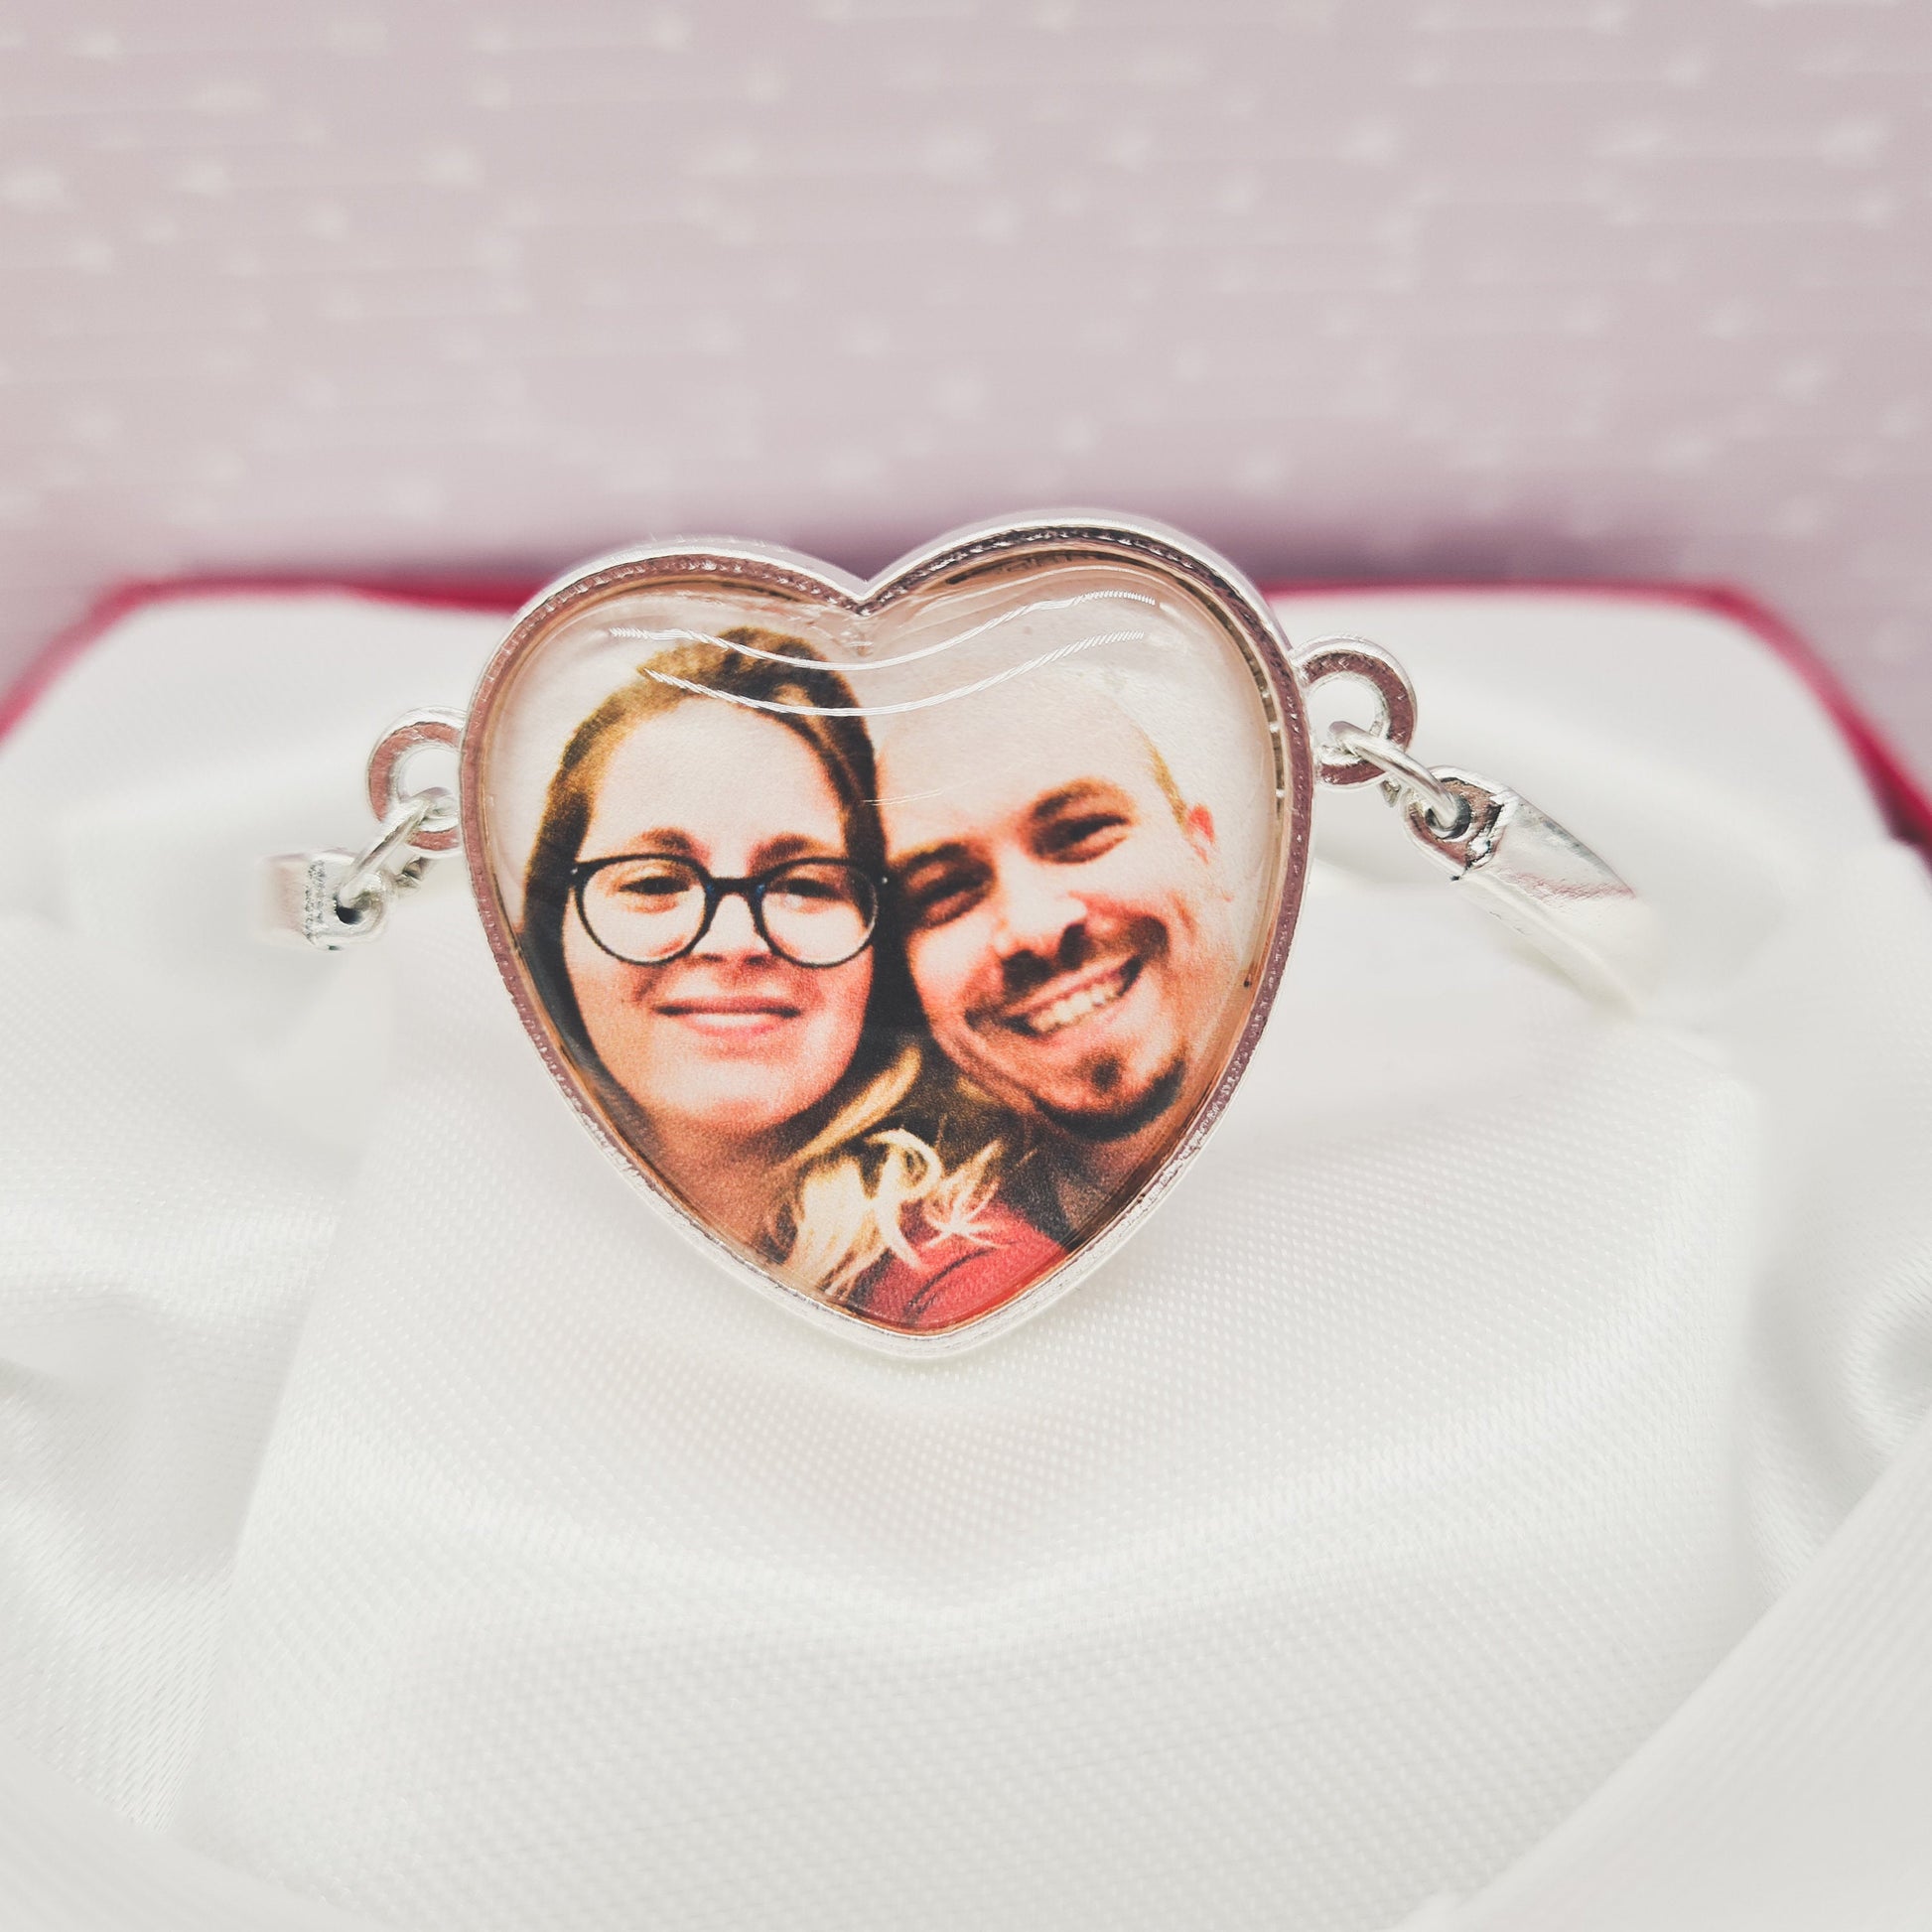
column 374, row 873
column 1395, row 720
column 299, row 906
column 1447, row 812
column 331, row 900
column 1469, row 838
column 437, row 831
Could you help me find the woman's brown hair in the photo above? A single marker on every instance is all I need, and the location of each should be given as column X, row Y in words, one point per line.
column 900, row 1130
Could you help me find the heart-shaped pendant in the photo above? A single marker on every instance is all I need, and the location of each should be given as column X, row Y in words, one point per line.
column 901, row 940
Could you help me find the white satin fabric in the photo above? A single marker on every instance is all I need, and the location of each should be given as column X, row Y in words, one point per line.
column 1496, row 1489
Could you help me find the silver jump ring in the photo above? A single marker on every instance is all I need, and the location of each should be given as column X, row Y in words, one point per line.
column 437, row 831
column 1395, row 720
column 1448, row 811
column 369, row 874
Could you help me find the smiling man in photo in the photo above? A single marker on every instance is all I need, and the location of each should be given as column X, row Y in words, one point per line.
column 1067, row 927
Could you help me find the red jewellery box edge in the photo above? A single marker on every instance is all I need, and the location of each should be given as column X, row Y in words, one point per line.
column 1904, row 799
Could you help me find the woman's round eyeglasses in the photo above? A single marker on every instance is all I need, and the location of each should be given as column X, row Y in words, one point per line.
column 648, row 909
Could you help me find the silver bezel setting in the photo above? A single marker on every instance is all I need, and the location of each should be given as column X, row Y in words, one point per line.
column 1207, row 578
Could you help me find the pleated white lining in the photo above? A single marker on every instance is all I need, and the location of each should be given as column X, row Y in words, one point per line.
column 396, row 1513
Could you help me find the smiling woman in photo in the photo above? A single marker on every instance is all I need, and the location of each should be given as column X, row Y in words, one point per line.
column 706, row 925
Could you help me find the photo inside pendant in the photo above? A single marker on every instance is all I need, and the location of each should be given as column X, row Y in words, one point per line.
column 900, row 950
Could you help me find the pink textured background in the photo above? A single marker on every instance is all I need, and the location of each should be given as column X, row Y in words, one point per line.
column 1449, row 287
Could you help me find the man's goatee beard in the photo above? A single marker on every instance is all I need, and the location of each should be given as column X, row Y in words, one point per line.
column 1098, row 1130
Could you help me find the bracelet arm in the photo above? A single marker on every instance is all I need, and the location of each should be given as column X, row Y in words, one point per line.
column 1514, row 860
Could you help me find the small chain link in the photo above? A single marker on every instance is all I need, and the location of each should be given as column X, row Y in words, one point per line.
column 389, row 863
column 1405, row 777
